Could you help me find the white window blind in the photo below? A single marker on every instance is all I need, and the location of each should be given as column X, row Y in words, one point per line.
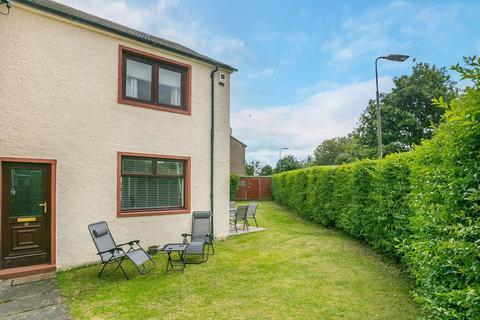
column 142, row 188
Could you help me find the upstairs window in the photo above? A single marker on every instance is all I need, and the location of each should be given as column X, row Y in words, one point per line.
column 153, row 82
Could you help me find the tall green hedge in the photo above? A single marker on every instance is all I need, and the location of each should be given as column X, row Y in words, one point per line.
column 422, row 207
column 367, row 198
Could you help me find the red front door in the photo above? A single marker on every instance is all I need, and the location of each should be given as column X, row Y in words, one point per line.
column 26, row 214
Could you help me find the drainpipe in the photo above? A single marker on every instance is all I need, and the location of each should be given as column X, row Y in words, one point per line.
column 212, row 137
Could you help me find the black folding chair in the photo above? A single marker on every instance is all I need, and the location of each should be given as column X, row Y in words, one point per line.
column 252, row 212
column 110, row 252
column 242, row 216
column 200, row 237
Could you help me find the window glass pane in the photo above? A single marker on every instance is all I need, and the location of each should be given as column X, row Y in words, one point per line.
column 26, row 192
column 151, row 192
column 169, row 167
column 169, row 87
column 137, row 166
column 139, row 80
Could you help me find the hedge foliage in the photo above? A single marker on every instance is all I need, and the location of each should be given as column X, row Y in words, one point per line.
column 422, row 207
column 367, row 198
column 234, row 184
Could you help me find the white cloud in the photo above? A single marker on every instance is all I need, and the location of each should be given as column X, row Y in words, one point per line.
column 392, row 28
column 317, row 87
column 119, row 11
column 222, row 45
column 168, row 19
column 296, row 40
column 301, row 127
column 267, row 72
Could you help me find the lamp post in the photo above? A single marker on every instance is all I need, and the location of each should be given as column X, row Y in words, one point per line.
column 280, row 159
column 391, row 57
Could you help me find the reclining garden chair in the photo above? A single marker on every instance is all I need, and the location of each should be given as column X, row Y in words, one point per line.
column 200, row 237
column 110, row 252
column 252, row 212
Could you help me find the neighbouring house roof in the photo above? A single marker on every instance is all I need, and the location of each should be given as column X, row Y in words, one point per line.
column 243, row 144
column 100, row 23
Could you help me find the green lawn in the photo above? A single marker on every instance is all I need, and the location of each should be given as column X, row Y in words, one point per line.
column 294, row 270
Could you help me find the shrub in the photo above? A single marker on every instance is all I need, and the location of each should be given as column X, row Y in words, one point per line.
column 422, row 207
column 443, row 254
column 368, row 199
column 234, row 183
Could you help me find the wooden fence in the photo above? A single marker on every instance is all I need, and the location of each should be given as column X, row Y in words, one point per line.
column 255, row 188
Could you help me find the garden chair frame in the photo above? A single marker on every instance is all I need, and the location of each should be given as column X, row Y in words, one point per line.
column 200, row 237
column 252, row 212
column 110, row 252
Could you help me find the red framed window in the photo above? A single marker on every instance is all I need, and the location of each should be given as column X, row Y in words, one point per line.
column 150, row 81
column 153, row 184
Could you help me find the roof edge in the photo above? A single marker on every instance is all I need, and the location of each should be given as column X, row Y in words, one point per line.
column 238, row 141
column 124, row 34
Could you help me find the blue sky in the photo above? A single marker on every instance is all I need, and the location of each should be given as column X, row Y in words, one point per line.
column 305, row 67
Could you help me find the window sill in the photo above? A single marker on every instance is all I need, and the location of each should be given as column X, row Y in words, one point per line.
column 153, row 106
column 129, row 214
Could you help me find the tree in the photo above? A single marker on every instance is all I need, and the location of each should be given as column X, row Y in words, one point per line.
column 288, row 163
column 471, row 72
column 309, row 161
column 408, row 114
column 266, row 170
column 252, row 168
column 336, row 151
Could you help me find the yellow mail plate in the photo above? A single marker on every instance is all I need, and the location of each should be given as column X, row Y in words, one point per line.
column 26, row 219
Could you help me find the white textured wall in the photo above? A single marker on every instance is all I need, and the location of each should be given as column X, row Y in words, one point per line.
column 58, row 91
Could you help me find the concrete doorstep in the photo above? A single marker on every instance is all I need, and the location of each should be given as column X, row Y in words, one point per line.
column 31, row 297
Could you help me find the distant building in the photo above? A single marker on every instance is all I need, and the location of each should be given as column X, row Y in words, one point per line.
column 237, row 156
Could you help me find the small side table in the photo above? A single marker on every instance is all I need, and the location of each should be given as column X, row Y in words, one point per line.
column 171, row 262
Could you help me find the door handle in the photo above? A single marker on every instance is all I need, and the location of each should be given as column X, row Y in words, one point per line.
column 44, row 205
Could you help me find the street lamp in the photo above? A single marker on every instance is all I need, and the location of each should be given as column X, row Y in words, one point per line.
column 391, row 57
column 280, row 158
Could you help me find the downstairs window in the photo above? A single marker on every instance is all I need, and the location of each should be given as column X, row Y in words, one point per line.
column 152, row 184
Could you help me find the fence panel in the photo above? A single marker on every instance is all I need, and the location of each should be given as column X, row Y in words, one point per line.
column 255, row 188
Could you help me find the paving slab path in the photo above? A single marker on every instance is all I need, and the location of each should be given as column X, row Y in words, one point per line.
column 33, row 300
